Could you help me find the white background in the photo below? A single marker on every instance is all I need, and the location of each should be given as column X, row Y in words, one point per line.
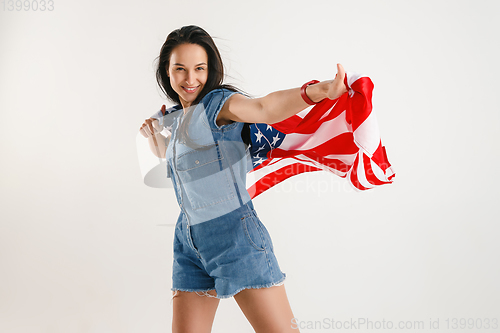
column 83, row 242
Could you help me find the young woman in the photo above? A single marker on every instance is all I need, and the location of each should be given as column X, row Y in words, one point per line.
column 221, row 248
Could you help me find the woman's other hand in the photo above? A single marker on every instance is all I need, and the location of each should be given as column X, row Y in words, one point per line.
column 151, row 126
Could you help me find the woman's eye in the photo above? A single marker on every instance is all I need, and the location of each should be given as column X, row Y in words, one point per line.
column 201, row 68
column 179, row 69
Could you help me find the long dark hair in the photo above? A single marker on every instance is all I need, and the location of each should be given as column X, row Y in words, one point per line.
column 192, row 34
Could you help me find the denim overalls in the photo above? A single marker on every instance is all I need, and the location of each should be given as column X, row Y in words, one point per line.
column 219, row 242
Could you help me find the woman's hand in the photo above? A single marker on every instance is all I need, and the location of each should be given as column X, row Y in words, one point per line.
column 151, row 129
column 151, row 126
column 337, row 87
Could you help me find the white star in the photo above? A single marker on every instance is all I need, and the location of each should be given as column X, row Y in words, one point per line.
column 269, row 127
column 258, row 162
column 260, row 148
column 259, row 135
column 275, row 139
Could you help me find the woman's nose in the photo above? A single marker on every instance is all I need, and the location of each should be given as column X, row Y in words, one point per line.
column 190, row 78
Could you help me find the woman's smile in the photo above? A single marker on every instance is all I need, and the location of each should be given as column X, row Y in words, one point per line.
column 190, row 90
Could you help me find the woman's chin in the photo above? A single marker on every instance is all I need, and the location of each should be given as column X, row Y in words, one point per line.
column 189, row 99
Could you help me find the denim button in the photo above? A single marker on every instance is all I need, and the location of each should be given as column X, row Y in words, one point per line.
column 197, row 162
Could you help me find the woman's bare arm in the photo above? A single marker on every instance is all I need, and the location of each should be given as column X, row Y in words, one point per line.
column 279, row 105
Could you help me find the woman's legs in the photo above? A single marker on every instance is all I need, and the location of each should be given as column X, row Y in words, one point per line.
column 267, row 309
column 193, row 311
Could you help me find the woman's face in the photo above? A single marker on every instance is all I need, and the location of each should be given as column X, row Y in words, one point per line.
column 188, row 71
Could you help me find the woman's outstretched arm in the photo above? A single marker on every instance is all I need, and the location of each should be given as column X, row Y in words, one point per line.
column 279, row 105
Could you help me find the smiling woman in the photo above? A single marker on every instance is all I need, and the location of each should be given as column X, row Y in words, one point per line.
column 221, row 247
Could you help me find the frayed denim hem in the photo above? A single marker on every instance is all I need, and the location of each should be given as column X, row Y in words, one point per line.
column 268, row 285
column 203, row 292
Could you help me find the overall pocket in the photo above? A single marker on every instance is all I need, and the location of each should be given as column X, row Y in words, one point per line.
column 253, row 232
column 205, row 177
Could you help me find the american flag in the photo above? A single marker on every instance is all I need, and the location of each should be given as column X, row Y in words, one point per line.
column 340, row 136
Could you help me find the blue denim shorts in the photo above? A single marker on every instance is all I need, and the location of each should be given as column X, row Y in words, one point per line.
column 230, row 253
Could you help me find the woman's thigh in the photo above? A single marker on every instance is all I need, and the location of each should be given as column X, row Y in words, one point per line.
column 267, row 309
column 193, row 311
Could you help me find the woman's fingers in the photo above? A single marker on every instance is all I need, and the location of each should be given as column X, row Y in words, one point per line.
column 144, row 132
column 340, row 71
column 341, row 77
column 149, row 127
column 337, row 86
column 156, row 125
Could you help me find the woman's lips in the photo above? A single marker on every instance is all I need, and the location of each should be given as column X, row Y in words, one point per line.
column 190, row 90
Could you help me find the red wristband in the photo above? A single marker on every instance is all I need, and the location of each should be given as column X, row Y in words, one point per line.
column 303, row 92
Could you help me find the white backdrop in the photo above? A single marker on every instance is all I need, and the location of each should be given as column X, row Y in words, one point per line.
column 85, row 246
